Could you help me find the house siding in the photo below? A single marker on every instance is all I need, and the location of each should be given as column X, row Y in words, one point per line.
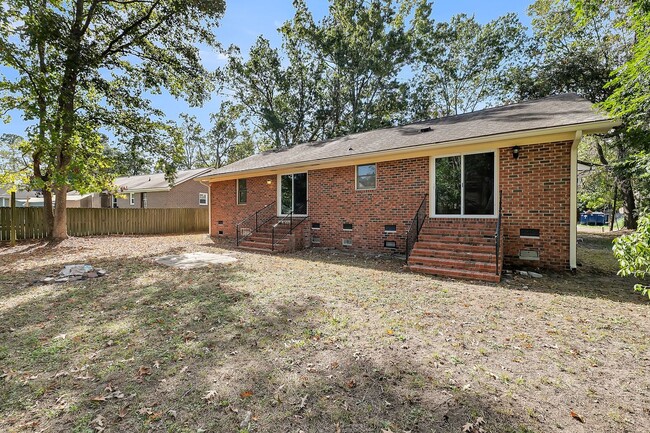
column 184, row 195
column 535, row 187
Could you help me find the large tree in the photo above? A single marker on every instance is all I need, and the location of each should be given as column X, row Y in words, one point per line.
column 84, row 65
column 569, row 54
column 330, row 78
column 460, row 65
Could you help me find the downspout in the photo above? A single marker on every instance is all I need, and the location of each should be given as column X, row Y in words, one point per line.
column 209, row 206
column 573, row 242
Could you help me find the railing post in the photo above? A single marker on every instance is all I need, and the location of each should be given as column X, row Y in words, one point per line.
column 273, row 238
column 237, row 235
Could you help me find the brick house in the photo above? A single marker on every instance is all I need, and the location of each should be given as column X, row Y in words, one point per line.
column 153, row 191
column 460, row 196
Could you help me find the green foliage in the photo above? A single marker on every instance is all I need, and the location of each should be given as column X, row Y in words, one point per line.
column 461, row 64
column 630, row 98
column 633, row 254
column 329, row 78
column 82, row 65
column 227, row 140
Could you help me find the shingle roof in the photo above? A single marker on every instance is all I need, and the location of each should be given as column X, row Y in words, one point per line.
column 553, row 111
column 156, row 181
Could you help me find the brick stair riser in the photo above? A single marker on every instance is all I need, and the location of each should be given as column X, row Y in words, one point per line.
column 459, row 233
column 466, row 240
column 454, row 246
column 262, row 246
column 456, row 254
column 455, row 273
column 452, row 264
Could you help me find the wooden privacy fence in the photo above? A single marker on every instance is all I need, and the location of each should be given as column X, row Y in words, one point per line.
column 30, row 223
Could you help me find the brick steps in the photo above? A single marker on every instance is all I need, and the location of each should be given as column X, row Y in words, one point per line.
column 455, row 254
column 457, row 249
column 456, row 273
column 453, row 246
column 468, row 239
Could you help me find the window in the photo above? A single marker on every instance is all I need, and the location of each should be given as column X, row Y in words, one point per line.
column 131, row 199
column 464, row 184
column 347, row 226
column 242, row 191
column 143, row 200
column 390, row 244
column 367, row 176
column 114, row 202
column 203, row 198
column 390, row 228
column 315, row 226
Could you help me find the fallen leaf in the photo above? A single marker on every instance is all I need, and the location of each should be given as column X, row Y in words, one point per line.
column 246, row 394
column 390, row 332
column 98, row 398
column 351, row 383
column 577, row 417
column 210, row 395
column 122, row 412
column 144, row 371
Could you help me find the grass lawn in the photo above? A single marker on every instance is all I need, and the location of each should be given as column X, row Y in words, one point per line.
column 316, row 341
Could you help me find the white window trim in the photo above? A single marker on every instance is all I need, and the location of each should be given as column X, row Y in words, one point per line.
column 279, row 194
column 237, row 188
column 356, row 177
column 205, row 196
column 432, row 186
column 131, row 199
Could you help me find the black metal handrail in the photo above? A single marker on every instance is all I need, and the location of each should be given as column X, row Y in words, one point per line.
column 416, row 225
column 497, row 236
column 260, row 219
column 290, row 216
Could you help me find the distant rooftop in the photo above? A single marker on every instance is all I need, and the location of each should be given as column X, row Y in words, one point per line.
column 550, row 112
column 156, row 181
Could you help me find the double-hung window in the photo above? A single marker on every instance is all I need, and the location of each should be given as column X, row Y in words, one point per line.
column 242, row 191
column 464, row 185
column 366, row 176
column 203, row 199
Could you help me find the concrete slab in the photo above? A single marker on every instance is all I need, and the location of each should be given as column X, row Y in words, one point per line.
column 195, row 260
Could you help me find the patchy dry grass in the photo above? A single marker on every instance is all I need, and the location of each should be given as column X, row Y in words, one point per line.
column 315, row 341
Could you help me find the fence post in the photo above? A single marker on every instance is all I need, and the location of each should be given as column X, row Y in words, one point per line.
column 14, row 217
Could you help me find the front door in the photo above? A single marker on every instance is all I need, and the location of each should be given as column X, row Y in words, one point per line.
column 293, row 194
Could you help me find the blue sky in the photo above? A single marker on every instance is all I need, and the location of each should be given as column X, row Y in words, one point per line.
column 245, row 20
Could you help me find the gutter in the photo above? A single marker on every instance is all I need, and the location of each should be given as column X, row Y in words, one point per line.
column 592, row 127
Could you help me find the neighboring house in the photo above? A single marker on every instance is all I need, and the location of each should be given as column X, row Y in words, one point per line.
column 453, row 182
column 153, row 191
column 35, row 199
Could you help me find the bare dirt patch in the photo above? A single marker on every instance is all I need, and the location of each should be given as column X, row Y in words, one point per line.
column 315, row 341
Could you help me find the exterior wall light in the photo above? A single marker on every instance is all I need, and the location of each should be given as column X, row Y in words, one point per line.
column 515, row 152
column 269, row 181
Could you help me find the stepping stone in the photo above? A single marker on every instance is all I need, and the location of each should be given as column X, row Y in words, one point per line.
column 194, row 260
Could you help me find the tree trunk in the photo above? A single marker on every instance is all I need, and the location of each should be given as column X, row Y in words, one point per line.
column 48, row 211
column 624, row 180
column 629, row 205
column 60, row 229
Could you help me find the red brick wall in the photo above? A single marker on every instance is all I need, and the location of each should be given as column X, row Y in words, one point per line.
column 225, row 207
column 536, row 194
column 333, row 201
